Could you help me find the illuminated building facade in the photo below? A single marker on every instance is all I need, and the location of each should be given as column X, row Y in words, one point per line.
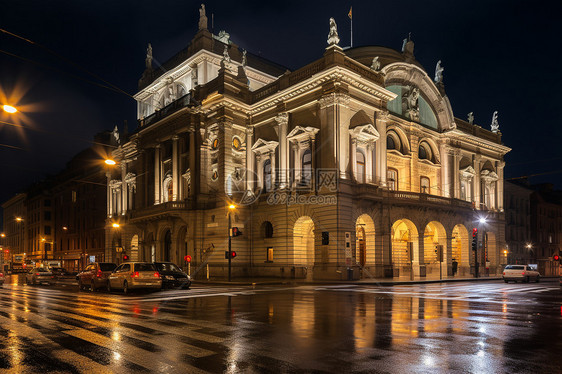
column 353, row 166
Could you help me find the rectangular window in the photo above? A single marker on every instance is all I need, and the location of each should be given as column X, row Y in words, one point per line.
column 47, row 230
column 424, row 185
column 47, row 202
column 269, row 254
column 47, row 216
column 392, row 179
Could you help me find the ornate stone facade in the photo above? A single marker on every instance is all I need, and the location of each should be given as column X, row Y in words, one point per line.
column 336, row 168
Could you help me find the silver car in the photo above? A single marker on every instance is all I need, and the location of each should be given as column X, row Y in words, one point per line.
column 134, row 275
column 38, row 276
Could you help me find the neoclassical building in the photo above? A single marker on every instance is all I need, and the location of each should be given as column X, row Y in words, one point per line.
column 351, row 166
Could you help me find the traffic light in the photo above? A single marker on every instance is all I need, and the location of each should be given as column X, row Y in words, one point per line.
column 236, row 231
column 556, row 258
column 125, row 258
column 232, row 254
column 474, row 239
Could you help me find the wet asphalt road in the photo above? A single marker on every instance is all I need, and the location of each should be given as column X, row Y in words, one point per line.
column 465, row 327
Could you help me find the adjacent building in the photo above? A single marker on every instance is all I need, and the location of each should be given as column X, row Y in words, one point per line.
column 518, row 222
column 353, row 166
column 12, row 237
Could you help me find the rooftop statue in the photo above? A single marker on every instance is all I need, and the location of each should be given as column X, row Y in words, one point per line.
column 149, row 56
column 223, row 37
column 439, row 72
column 202, row 18
column 376, row 65
column 244, row 57
column 116, row 135
column 225, row 55
column 333, row 38
column 495, row 125
column 471, row 118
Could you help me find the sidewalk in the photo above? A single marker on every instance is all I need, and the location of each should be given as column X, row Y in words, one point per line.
column 368, row 281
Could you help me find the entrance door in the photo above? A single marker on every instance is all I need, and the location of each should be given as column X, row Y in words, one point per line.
column 362, row 246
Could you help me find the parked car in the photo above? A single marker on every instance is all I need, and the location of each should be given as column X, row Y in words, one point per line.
column 134, row 275
column 1, row 279
column 95, row 275
column 58, row 271
column 172, row 275
column 523, row 273
column 38, row 276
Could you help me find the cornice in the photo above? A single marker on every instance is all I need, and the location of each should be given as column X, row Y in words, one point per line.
column 478, row 142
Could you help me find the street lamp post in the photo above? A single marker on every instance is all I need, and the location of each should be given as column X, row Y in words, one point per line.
column 230, row 209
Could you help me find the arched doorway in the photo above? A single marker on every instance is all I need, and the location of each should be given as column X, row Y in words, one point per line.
column 460, row 251
column 134, row 255
column 365, row 240
column 434, row 241
column 167, row 246
column 303, row 246
column 405, row 249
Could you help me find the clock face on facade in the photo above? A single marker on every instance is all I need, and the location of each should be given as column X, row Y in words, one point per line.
column 236, row 143
column 215, row 144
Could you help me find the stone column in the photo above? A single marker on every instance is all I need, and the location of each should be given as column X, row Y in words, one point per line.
column 271, row 156
column 297, row 167
column 354, row 159
column 334, row 127
column 477, row 181
column 192, row 163
column 249, row 159
column 175, row 169
column 313, row 171
column 157, row 175
column 282, row 120
column 369, row 164
column 499, row 187
column 380, row 166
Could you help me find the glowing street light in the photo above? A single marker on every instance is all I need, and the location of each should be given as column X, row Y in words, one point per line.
column 9, row 109
column 110, row 162
column 232, row 206
column 482, row 220
column 3, row 235
column 19, row 219
column 115, row 225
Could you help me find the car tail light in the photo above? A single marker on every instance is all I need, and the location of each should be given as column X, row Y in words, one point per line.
column 523, row 273
column 99, row 274
column 504, row 273
column 37, row 274
column 157, row 275
column 135, row 274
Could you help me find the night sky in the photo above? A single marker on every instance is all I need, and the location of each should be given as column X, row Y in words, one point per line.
column 497, row 55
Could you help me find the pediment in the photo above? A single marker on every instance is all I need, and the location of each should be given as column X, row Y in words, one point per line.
column 264, row 146
column 302, row 133
column 366, row 133
column 468, row 171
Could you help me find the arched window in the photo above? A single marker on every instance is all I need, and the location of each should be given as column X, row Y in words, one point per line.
column 267, row 229
column 390, row 144
column 392, row 179
column 424, row 185
column 422, row 153
column 306, row 167
column 360, row 167
column 267, row 185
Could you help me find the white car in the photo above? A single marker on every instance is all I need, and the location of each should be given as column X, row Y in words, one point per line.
column 38, row 276
column 523, row 273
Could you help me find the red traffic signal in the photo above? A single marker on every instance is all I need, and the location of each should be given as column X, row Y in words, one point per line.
column 233, row 254
column 187, row 258
column 474, row 232
column 556, row 258
column 125, row 258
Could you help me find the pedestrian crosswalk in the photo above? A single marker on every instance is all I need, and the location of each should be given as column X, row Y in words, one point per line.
column 104, row 333
column 466, row 291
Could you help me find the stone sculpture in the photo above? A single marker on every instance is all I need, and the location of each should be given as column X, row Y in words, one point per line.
column 471, row 118
column 376, row 65
column 495, row 125
column 202, row 18
column 439, row 72
column 333, row 38
column 410, row 106
column 149, row 56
